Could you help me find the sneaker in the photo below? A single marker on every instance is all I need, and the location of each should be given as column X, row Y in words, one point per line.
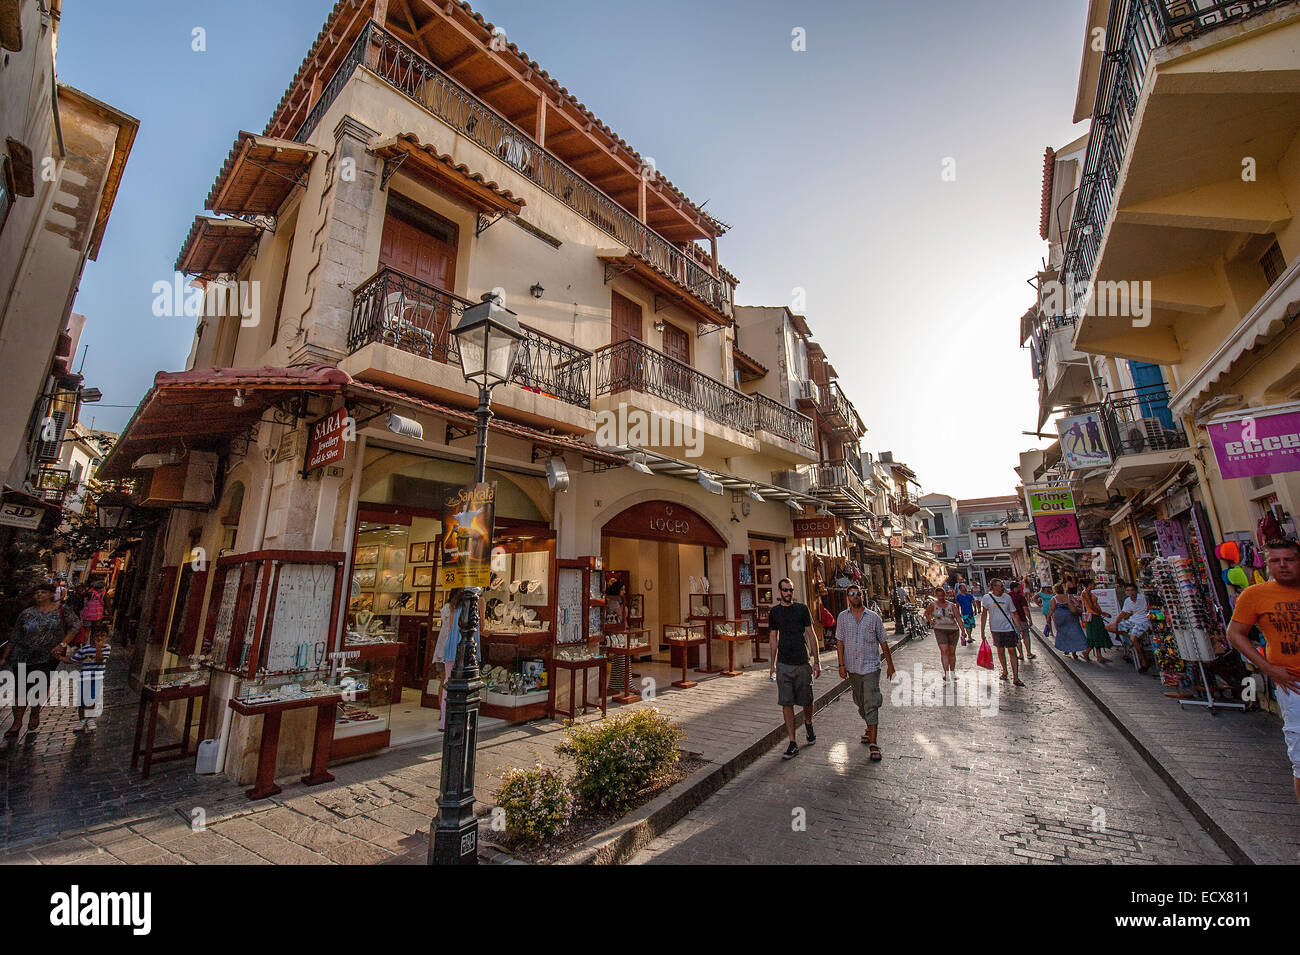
column 812, row 737
column 90, row 726
column 78, row 726
column 791, row 751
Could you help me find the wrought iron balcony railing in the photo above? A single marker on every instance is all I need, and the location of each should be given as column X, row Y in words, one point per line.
column 406, row 71
column 631, row 365
column 53, row 485
column 775, row 418
column 839, row 411
column 1135, row 28
column 393, row 308
column 837, row 479
column 1138, row 420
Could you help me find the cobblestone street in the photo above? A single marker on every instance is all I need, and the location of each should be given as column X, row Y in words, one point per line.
column 1046, row 779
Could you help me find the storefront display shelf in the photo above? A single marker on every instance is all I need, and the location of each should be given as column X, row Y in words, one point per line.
column 682, row 638
column 733, row 632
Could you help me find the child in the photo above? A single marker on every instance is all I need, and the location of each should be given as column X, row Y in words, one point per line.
column 92, row 657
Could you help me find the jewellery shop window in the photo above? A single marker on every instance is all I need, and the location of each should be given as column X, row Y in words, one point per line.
column 519, row 605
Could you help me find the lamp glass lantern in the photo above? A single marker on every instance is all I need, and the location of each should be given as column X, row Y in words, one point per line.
column 488, row 338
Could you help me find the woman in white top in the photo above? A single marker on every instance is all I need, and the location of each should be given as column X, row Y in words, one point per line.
column 945, row 617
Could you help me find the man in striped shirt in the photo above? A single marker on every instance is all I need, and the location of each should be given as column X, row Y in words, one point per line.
column 860, row 642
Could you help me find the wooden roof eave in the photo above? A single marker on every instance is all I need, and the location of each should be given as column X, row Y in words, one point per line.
column 215, row 246
column 662, row 284
column 444, row 174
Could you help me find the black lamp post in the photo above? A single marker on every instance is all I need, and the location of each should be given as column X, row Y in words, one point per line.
column 488, row 337
column 888, row 530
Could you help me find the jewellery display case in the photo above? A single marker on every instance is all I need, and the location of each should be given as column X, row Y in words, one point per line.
column 733, row 632
column 517, row 633
column 369, row 667
column 684, row 639
column 746, row 600
column 627, row 644
column 160, row 688
column 707, row 608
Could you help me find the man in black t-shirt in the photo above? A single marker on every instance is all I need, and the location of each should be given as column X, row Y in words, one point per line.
column 792, row 643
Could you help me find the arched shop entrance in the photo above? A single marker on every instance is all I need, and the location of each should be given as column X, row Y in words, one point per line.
column 663, row 550
column 395, row 600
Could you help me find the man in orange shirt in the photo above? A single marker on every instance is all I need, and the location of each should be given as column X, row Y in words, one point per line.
column 1274, row 607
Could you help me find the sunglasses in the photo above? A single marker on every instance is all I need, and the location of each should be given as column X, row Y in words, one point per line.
column 787, row 590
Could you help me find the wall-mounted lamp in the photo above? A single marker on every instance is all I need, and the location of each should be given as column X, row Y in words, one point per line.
column 536, row 289
column 238, row 400
column 660, row 325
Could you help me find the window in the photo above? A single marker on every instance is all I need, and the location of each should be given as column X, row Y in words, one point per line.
column 1272, row 263
column 982, row 540
column 1006, row 539
column 938, row 526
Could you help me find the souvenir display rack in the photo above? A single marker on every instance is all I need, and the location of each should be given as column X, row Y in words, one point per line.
column 682, row 637
column 1190, row 617
column 167, row 686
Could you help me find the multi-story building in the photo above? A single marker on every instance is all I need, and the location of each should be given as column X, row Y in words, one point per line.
column 416, row 165
column 62, row 161
column 996, row 531
column 1180, row 280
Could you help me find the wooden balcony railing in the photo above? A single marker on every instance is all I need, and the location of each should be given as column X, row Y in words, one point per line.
column 631, row 365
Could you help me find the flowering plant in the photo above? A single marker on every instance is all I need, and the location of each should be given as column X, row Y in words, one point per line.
column 538, row 804
column 618, row 757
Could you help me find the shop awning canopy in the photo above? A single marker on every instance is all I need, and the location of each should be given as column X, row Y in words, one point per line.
column 259, row 174
column 216, row 246
column 196, row 410
column 422, row 161
column 663, row 464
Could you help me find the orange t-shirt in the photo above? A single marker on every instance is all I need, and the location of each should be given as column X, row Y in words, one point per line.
column 1276, row 611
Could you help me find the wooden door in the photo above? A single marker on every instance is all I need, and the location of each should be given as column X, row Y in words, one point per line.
column 677, row 345
column 421, row 245
column 625, row 324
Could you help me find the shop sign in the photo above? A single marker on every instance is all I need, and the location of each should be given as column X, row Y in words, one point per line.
column 1256, row 446
column 822, row 526
column 26, row 516
column 1082, row 441
column 325, row 439
column 290, row 446
column 663, row 521
column 1055, row 523
column 1051, row 499
column 467, row 524
column 1170, row 540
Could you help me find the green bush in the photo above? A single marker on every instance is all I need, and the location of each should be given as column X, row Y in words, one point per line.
column 537, row 802
column 618, row 757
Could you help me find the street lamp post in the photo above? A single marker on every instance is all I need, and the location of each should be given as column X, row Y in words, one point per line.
column 488, row 337
column 888, row 531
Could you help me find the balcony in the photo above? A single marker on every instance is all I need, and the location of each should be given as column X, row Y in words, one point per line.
column 1146, row 442
column 412, row 75
column 840, row 487
column 840, row 413
column 1210, row 79
column 54, row 484
column 400, row 335
column 784, row 432
column 632, row 376
column 807, row 395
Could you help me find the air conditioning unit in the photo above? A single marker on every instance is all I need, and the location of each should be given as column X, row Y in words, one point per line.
column 807, row 390
column 192, row 481
column 1159, row 438
column 800, row 481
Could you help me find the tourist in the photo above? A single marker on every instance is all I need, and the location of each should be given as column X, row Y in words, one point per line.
column 92, row 659
column 966, row 603
column 1094, row 622
column 1045, row 604
column 860, row 641
column 945, row 617
column 1006, row 634
column 1132, row 623
column 792, row 644
column 1064, row 610
column 1274, row 608
column 1021, row 603
column 38, row 633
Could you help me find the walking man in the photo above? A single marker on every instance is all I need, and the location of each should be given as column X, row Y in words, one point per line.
column 1006, row 635
column 1274, row 607
column 860, row 641
column 792, row 644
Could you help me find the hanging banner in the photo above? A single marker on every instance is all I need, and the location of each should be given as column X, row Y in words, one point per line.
column 1256, row 446
column 1055, row 524
column 1082, row 443
column 466, row 559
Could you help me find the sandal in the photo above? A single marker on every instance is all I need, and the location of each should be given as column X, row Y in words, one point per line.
column 12, row 732
column 1019, row 682
column 1003, row 676
column 875, row 753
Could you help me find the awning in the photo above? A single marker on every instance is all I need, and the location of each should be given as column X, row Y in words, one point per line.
column 259, row 175
column 197, row 409
column 424, row 162
column 1279, row 305
column 216, row 246
column 661, row 283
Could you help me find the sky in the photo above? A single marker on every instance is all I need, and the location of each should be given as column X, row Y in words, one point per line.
column 889, row 174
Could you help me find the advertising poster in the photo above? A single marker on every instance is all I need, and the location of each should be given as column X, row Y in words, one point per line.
column 1082, row 441
column 467, row 520
column 1052, row 510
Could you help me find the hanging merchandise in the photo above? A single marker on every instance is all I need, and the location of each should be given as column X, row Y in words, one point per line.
column 1189, row 614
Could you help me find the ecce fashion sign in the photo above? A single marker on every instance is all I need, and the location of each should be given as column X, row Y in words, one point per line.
column 1256, row 446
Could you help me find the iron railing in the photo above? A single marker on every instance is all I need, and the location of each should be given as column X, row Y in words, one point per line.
column 393, row 308
column 837, row 408
column 411, row 74
column 1138, row 420
column 53, row 485
column 1135, row 28
column 836, row 477
column 631, row 365
column 775, row 418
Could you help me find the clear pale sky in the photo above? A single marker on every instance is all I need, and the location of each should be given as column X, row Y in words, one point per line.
column 827, row 164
